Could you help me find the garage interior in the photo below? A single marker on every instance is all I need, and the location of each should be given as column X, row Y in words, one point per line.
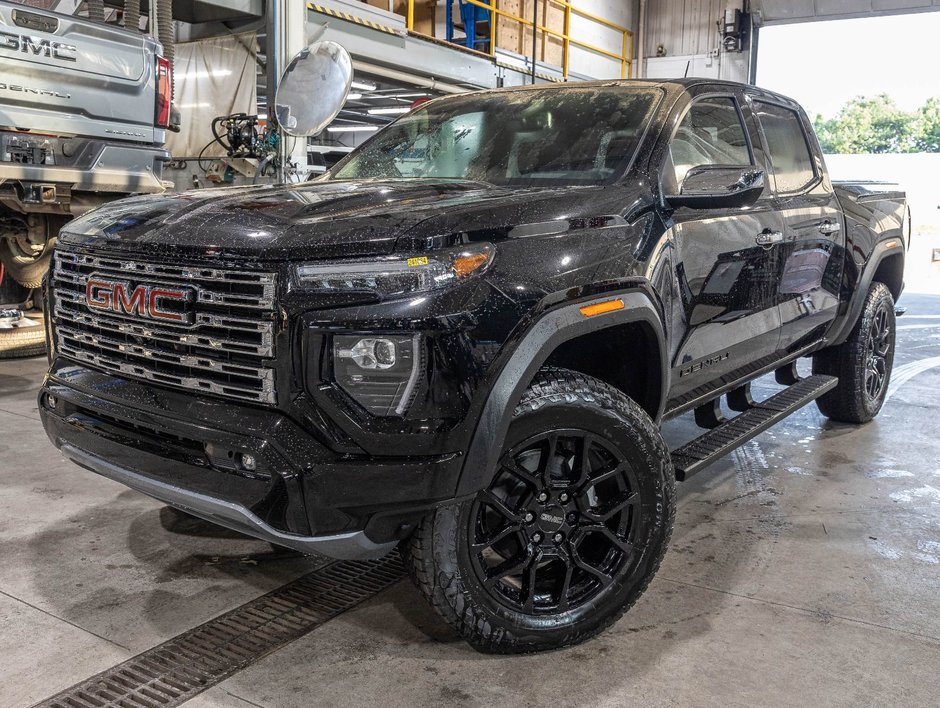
column 804, row 567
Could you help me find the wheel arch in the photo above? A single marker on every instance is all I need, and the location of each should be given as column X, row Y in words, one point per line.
column 567, row 337
column 885, row 265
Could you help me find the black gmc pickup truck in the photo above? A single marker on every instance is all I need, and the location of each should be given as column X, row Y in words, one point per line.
column 464, row 338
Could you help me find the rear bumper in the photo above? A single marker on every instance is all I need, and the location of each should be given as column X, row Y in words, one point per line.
column 103, row 167
column 186, row 450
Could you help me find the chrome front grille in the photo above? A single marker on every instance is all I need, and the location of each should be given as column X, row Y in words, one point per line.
column 227, row 350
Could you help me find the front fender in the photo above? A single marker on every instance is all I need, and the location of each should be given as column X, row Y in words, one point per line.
column 542, row 338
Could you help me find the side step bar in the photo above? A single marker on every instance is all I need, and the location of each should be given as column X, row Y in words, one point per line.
column 718, row 442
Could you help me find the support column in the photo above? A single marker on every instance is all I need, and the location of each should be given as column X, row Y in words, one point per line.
column 286, row 22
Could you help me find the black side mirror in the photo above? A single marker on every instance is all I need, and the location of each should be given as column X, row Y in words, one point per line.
column 719, row 187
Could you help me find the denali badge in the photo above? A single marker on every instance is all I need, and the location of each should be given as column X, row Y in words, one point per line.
column 36, row 46
column 146, row 301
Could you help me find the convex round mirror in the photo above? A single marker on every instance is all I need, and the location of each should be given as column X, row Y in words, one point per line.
column 313, row 89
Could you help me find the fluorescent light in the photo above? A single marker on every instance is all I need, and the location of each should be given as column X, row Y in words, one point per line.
column 195, row 105
column 362, row 86
column 352, row 128
column 206, row 74
column 353, row 96
column 411, row 95
column 388, row 111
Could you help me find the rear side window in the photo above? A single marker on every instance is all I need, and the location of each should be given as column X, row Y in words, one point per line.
column 711, row 133
column 789, row 152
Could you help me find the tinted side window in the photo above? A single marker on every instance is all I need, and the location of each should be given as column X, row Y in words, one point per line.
column 710, row 134
column 789, row 152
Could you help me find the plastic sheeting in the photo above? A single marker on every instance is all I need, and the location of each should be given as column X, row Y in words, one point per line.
column 214, row 77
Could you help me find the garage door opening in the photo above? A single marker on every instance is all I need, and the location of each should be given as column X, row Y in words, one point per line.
column 869, row 85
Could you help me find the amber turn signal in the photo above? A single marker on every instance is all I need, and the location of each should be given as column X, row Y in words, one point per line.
column 599, row 308
column 465, row 265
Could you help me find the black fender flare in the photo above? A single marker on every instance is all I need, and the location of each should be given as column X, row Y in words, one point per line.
column 542, row 338
column 882, row 250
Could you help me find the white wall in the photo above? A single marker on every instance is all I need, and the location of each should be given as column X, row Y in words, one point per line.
column 688, row 31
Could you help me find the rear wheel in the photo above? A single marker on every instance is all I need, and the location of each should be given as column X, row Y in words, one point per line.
column 567, row 534
column 862, row 363
column 27, row 263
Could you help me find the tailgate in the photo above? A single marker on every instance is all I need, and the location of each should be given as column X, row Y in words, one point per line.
column 66, row 75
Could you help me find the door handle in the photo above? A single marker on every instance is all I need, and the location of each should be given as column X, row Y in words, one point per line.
column 827, row 228
column 768, row 237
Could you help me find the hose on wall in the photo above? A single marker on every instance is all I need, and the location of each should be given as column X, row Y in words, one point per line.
column 96, row 10
column 132, row 14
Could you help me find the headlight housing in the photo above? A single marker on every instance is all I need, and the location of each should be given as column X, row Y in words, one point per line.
column 396, row 276
column 379, row 371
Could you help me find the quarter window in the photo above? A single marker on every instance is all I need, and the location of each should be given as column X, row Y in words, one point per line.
column 789, row 152
column 711, row 133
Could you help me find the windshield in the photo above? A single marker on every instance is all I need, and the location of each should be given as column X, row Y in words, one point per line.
column 577, row 136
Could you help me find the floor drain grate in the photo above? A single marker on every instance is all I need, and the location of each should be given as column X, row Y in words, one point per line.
column 177, row 670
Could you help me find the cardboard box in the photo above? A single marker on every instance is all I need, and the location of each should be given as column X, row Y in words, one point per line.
column 423, row 12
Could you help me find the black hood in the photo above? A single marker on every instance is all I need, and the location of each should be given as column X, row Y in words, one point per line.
column 329, row 219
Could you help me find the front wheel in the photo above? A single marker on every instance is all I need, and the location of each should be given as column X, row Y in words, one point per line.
column 862, row 363
column 568, row 533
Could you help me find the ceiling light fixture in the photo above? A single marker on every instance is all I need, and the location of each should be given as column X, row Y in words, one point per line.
column 362, row 86
column 352, row 128
column 388, row 111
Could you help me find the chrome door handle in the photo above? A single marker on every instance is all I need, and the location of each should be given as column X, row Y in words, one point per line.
column 828, row 228
column 768, row 237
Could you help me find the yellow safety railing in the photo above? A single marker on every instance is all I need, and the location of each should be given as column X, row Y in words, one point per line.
column 625, row 56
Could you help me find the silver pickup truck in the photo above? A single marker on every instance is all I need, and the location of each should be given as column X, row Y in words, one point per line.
column 84, row 109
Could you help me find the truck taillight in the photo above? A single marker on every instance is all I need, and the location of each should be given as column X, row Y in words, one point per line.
column 164, row 92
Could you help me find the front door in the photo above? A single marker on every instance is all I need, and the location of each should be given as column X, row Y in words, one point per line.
column 725, row 276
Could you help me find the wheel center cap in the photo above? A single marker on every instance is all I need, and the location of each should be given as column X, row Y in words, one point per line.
column 550, row 519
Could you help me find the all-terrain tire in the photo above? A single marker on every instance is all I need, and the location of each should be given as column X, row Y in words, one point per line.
column 862, row 363
column 439, row 554
column 27, row 270
column 22, row 342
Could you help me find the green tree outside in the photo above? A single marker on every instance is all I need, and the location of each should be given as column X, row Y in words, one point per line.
column 876, row 125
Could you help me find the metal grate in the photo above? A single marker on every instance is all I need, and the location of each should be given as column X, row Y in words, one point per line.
column 227, row 349
column 177, row 670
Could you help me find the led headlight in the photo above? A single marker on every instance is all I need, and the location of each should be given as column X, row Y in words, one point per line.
column 396, row 276
column 380, row 372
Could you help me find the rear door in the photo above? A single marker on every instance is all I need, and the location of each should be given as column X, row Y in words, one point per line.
column 726, row 280
column 810, row 254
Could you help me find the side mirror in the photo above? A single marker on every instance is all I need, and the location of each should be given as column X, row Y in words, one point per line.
column 719, row 187
column 313, row 89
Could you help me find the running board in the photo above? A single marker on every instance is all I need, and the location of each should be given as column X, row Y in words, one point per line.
column 695, row 456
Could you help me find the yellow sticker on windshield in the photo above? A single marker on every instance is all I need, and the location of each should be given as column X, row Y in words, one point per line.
column 420, row 260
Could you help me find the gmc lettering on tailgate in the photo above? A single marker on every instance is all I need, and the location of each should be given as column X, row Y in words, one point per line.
column 36, row 46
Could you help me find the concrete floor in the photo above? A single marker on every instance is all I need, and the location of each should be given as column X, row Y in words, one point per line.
column 804, row 569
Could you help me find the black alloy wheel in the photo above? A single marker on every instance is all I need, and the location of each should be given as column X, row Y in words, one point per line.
column 877, row 351
column 558, row 524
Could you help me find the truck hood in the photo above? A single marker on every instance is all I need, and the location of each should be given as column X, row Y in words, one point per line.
column 327, row 219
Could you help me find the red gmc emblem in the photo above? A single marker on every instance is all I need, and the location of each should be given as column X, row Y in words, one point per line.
column 145, row 301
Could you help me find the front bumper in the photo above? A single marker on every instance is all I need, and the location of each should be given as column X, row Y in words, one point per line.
column 184, row 449
column 229, row 514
